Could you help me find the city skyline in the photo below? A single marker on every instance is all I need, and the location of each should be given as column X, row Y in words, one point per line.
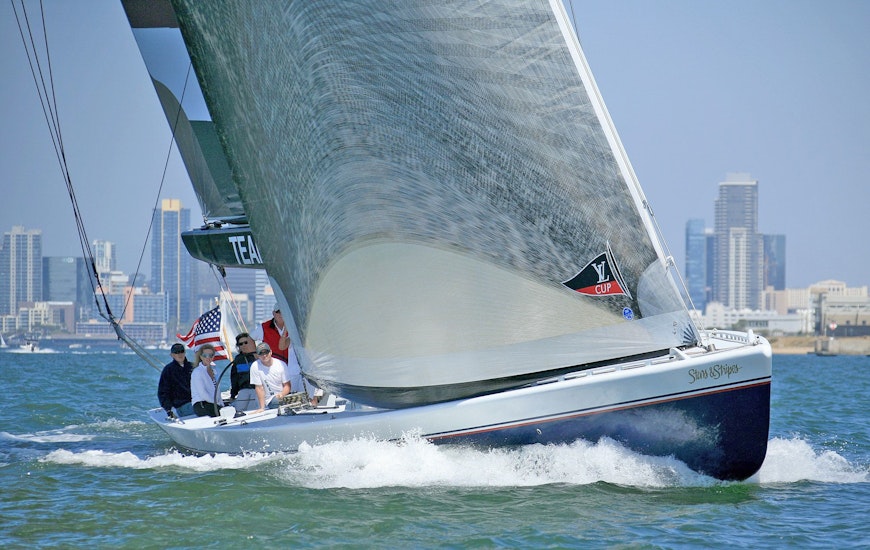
column 145, row 274
column 709, row 89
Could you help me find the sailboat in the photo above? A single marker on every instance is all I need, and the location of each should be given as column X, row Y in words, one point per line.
column 3, row 343
column 452, row 226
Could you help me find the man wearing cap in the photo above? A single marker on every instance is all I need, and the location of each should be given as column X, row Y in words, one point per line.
column 242, row 392
column 272, row 378
column 274, row 332
column 173, row 390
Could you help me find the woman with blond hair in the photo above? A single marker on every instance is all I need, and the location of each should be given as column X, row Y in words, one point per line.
column 203, row 386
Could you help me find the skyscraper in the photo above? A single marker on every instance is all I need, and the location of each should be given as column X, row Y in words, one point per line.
column 244, row 281
column 264, row 299
column 696, row 262
column 774, row 261
column 20, row 269
column 104, row 255
column 170, row 261
column 65, row 279
column 737, row 266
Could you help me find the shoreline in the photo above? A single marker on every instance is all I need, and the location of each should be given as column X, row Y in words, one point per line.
column 793, row 351
column 803, row 345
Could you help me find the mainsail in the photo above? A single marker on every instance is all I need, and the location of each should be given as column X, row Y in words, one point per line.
column 422, row 178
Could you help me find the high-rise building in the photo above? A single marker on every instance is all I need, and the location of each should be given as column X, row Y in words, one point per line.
column 774, row 261
column 20, row 268
column 264, row 299
column 171, row 263
column 104, row 256
column 737, row 266
column 65, row 279
column 147, row 307
column 711, row 259
column 244, row 281
column 205, row 282
column 696, row 262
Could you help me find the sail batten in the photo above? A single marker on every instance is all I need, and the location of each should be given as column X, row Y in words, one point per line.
column 422, row 178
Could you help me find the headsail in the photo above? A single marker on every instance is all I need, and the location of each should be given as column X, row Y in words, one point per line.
column 421, row 178
column 157, row 35
column 204, row 160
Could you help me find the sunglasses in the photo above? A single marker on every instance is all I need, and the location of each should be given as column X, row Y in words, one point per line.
column 244, row 343
column 264, row 352
column 208, row 355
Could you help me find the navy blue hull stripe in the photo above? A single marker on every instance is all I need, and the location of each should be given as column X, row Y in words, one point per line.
column 647, row 401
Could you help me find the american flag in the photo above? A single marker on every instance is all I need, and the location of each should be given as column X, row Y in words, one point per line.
column 207, row 330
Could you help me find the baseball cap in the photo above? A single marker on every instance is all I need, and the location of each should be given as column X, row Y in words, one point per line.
column 263, row 346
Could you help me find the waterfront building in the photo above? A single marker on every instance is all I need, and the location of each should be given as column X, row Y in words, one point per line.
column 738, row 252
column 205, row 284
column 839, row 310
column 785, row 301
column 264, row 296
column 104, row 255
column 20, row 269
column 65, row 279
column 149, row 307
column 171, row 263
column 767, row 322
column 141, row 312
column 774, row 261
column 244, row 282
column 114, row 282
column 696, row 262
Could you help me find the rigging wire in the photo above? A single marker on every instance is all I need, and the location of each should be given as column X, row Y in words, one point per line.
column 234, row 310
column 48, row 101
column 162, row 180
column 670, row 265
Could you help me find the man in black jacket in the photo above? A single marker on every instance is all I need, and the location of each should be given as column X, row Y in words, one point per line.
column 241, row 391
column 173, row 390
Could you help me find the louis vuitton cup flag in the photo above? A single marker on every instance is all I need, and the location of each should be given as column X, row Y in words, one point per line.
column 207, row 330
column 600, row 277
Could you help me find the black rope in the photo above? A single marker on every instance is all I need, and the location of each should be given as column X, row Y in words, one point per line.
column 48, row 102
column 162, row 178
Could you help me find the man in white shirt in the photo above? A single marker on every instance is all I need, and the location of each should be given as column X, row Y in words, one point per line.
column 272, row 378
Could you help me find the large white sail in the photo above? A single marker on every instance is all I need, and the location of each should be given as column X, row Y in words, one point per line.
column 435, row 189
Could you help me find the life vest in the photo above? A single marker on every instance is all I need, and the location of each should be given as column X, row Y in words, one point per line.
column 271, row 336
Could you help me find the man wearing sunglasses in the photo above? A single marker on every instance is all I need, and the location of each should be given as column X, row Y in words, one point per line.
column 244, row 398
column 272, row 378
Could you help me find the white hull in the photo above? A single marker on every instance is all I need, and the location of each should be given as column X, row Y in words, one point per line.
column 662, row 406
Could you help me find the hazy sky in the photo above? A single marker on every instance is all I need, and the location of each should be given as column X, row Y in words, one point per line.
column 776, row 88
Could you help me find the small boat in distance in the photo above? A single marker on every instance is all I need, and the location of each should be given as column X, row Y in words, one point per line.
column 452, row 230
column 30, row 345
column 3, row 343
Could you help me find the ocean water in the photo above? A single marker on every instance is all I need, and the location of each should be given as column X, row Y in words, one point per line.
column 81, row 466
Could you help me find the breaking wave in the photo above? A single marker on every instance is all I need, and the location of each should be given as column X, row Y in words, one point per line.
column 415, row 462
column 793, row 460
